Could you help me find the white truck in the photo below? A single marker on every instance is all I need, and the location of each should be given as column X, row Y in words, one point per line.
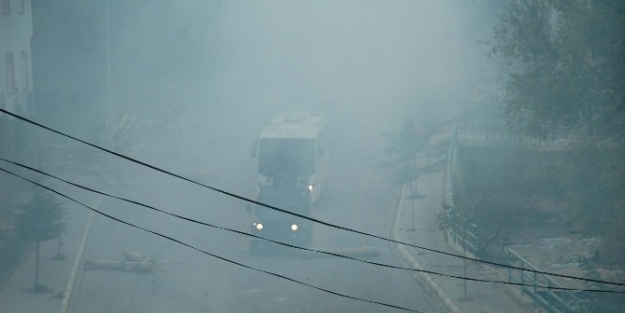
column 292, row 166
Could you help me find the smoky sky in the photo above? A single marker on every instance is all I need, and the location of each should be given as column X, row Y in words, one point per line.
column 353, row 54
column 369, row 59
column 359, row 55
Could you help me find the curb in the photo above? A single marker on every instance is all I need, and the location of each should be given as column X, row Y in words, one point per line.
column 422, row 278
column 67, row 295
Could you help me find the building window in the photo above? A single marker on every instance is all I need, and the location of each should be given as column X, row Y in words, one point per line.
column 25, row 70
column 21, row 7
column 6, row 7
column 10, row 74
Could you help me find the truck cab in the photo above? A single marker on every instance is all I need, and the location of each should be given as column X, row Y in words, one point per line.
column 289, row 152
column 279, row 226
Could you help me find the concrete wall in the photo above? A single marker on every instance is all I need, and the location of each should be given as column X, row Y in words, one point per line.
column 16, row 31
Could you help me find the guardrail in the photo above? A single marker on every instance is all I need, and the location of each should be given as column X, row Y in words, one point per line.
column 464, row 232
column 552, row 301
column 482, row 134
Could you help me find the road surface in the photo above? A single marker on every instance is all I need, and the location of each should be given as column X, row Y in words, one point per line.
column 186, row 280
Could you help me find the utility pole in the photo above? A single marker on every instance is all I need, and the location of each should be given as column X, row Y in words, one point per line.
column 109, row 119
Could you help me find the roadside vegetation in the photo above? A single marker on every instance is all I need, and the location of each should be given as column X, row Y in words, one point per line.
column 566, row 90
column 401, row 163
column 567, row 81
column 39, row 220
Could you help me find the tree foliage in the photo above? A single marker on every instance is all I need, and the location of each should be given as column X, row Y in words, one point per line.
column 40, row 219
column 401, row 153
column 566, row 61
column 566, row 66
column 401, row 163
column 567, row 77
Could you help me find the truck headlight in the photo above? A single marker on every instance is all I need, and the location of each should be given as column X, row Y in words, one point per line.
column 311, row 187
column 294, row 227
column 258, row 226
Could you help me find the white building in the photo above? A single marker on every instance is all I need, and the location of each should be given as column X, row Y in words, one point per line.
column 16, row 31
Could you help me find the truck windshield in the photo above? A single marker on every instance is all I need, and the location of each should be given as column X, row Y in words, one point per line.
column 291, row 158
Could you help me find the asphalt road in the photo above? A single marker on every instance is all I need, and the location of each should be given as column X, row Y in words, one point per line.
column 186, row 280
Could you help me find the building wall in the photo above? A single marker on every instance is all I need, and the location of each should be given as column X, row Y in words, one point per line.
column 16, row 31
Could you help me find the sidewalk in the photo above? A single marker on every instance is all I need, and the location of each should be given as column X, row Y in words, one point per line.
column 455, row 294
column 15, row 295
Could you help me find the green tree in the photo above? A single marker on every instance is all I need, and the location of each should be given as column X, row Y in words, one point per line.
column 402, row 149
column 566, row 64
column 40, row 220
column 567, row 77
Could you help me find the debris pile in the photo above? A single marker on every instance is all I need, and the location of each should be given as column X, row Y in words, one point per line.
column 133, row 261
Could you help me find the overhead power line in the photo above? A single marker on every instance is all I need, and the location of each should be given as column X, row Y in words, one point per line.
column 230, row 194
column 209, row 253
column 298, row 247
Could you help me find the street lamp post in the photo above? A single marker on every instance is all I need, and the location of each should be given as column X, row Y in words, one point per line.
column 109, row 119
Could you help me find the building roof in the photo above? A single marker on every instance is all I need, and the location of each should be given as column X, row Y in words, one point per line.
column 304, row 125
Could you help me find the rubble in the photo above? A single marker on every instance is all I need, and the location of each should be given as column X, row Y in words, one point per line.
column 133, row 261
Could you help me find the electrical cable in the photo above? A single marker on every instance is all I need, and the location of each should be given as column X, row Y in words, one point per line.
column 209, row 253
column 230, row 194
column 304, row 248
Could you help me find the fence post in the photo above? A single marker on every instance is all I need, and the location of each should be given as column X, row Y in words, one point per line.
column 453, row 225
column 510, row 268
column 522, row 277
column 464, row 263
column 549, row 295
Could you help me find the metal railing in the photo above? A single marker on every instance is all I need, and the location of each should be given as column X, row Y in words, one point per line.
column 464, row 232
column 482, row 134
column 553, row 301
column 482, row 129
